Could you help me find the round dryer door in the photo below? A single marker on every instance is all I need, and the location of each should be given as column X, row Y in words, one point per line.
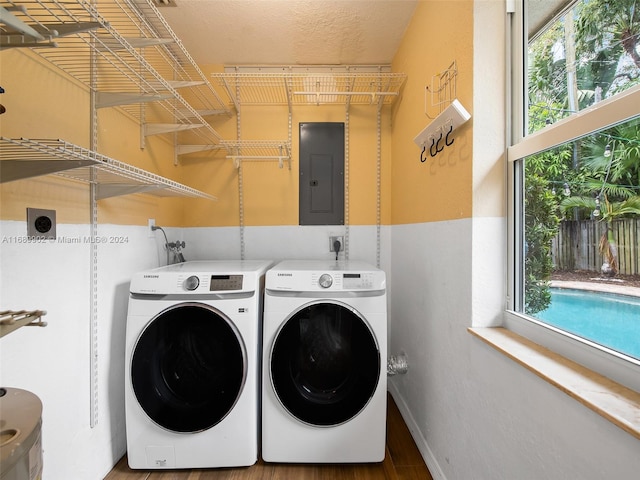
column 188, row 367
column 325, row 364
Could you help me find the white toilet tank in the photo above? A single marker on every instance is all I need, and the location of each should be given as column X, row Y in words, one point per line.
column 20, row 435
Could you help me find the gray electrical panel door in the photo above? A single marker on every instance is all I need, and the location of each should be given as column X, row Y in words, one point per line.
column 321, row 173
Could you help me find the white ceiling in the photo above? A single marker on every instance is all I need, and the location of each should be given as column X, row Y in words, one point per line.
column 303, row 32
column 290, row 32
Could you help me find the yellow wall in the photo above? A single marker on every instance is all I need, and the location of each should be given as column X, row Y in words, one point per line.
column 440, row 188
column 42, row 102
column 270, row 194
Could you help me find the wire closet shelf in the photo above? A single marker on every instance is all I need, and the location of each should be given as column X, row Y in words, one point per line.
column 26, row 158
column 339, row 86
column 123, row 50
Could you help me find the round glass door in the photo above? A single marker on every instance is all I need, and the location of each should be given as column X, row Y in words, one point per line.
column 325, row 364
column 188, row 367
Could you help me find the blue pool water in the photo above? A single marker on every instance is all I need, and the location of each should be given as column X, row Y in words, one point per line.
column 609, row 320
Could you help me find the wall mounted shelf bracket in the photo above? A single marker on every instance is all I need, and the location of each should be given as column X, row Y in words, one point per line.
column 114, row 99
column 160, row 128
column 187, row 149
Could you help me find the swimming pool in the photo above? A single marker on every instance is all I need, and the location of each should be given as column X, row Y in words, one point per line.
column 606, row 319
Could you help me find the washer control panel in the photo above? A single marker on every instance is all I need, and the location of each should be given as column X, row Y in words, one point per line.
column 201, row 278
column 190, row 282
column 210, row 283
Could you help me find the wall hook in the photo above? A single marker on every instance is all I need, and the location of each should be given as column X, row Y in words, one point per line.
column 431, row 152
column 423, row 158
column 438, row 150
column 446, row 140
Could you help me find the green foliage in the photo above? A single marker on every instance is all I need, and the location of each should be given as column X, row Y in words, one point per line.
column 610, row 26
column 541, row 225
column 606, row 39
column 607, row 35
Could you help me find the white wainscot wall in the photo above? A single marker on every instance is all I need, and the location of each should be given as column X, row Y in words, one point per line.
column 475, row 414
column 285, row 242
column 54, row 362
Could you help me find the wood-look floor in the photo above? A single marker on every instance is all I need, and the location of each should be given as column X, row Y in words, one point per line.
column 402, row 462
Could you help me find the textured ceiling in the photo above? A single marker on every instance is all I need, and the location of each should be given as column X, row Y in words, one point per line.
column 290, row 32
column 303, row 32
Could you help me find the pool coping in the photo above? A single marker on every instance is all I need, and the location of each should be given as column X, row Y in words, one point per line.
column 596, row 287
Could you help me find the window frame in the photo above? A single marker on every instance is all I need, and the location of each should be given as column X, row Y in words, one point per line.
column 606, row 113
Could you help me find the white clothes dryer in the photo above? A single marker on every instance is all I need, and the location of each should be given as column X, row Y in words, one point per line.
column 193, row 365
column 324, row 385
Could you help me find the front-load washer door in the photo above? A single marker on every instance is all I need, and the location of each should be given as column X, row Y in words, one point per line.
column 325, row 363
column 188, row 367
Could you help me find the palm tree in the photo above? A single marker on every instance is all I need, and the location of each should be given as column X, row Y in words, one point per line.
column 621, row 22
column 608, row 246
column 607, row 36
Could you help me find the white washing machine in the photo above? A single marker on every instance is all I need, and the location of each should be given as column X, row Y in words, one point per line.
column 193, row 365
column 324, row 385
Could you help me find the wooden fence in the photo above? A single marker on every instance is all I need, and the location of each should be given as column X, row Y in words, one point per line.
column 576, row 245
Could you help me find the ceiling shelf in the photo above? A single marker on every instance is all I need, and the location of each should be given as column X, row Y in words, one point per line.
column 123, row 50
column 299, row 85
column 25, row 158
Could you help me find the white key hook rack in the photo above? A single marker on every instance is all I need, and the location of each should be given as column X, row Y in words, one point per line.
column 442, row 126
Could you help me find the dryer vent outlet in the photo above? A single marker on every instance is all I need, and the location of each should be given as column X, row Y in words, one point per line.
column 41, row 223
column 397, row 364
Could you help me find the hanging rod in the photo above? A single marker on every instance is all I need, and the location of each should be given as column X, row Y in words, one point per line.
column 258, row 150
column 322, row 95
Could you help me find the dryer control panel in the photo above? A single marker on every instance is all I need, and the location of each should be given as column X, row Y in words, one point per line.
column 325, row 277
column 343, row 280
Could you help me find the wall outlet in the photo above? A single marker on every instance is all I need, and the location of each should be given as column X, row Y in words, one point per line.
column 41, row 223
column 332, row 240
column 152, row 223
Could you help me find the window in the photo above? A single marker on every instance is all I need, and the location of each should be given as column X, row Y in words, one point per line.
column 574, row 168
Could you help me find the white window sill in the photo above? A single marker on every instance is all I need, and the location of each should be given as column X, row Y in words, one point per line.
column 613, row 401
